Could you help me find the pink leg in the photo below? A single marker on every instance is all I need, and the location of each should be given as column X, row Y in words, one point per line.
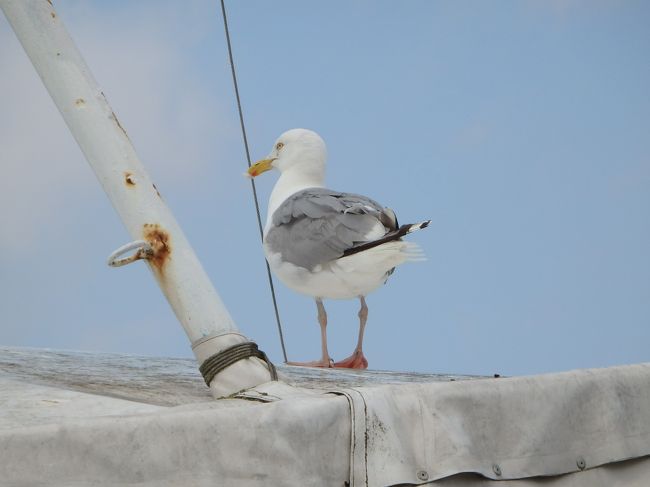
column 325, row 360
column 357, row 360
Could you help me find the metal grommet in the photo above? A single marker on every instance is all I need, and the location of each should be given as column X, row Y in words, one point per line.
column 581, row 463
column 496, row 469
column 423, row 475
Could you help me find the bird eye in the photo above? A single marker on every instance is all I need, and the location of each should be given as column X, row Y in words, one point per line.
column 279, row 145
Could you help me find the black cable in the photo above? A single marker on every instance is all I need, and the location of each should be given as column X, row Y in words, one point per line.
column 248, row 159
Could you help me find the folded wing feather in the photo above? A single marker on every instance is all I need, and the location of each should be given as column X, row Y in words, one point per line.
column 316, row 225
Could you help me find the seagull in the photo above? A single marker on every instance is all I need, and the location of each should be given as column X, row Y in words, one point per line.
column 327, row 244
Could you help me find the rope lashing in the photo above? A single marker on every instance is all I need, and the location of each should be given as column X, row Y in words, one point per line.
column 228, row 356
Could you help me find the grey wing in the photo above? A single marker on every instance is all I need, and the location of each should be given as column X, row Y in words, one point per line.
column 316, row 225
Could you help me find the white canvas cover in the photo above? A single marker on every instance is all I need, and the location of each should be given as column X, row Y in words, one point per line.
column 582, row 428
column 517, row 428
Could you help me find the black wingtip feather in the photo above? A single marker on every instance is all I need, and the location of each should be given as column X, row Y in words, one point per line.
column 394, row 235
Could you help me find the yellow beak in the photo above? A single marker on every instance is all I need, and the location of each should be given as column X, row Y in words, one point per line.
column 259, row 167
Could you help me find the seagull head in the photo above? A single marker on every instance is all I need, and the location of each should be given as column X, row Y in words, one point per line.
column 299, row 150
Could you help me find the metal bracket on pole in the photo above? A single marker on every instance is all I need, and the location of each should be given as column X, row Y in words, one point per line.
column 108, row 150
column 142, row 251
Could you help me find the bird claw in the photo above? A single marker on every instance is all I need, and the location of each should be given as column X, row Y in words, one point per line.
column 323, row 364
column 355, row 361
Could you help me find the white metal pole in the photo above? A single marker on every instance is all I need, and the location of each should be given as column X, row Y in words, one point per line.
column 109, row 151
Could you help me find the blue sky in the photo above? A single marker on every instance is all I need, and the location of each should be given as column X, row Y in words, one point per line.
column 520, row 128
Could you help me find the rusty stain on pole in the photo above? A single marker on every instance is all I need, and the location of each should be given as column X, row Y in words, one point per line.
column 129, row 179
column 159, row 240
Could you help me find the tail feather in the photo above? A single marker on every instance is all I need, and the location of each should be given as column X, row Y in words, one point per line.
column 413, row 252
column 394, row 235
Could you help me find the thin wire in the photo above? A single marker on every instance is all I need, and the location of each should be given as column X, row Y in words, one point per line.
column 248, row 159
